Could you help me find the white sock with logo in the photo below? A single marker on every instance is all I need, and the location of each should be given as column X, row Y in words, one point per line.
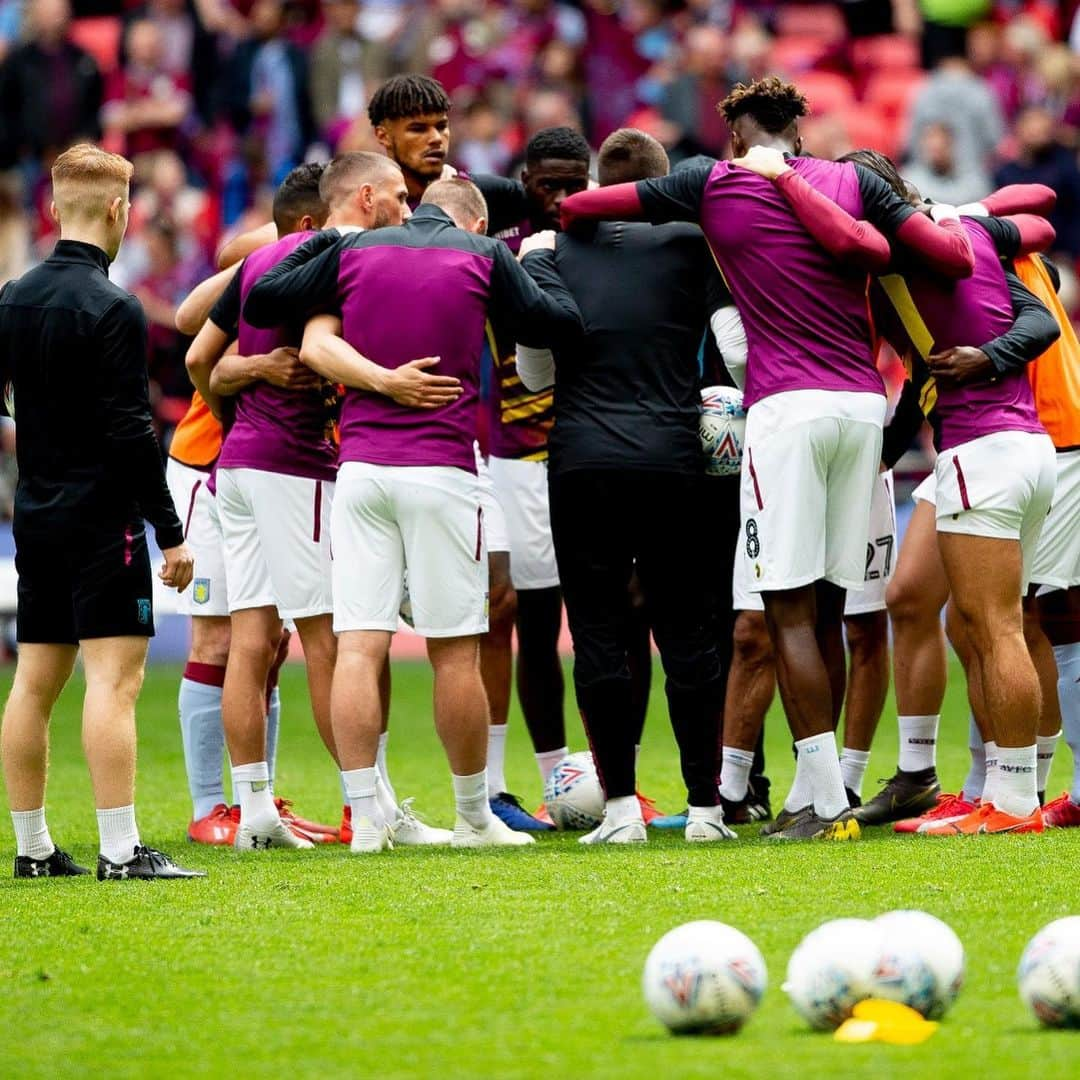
column 471, row 799
column 822, row 765
column 496, row 759
column 251, row 789
column 1014, row 787
column 118, row 833
column 735, row 773
column 853, row 768
column 546, row 760
column 918, row 742
column 1068, row 665
column 361, row 790
column 1045, row 745
column 32, row 837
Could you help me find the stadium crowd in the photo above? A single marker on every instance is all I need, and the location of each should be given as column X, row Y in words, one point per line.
column 214, row 101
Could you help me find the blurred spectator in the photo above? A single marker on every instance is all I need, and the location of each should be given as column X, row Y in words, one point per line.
column 145, row 103
column 11, row 12
column 14, row 232
column 691, row 100
column 478, row 143
column 942, row 176
column 267, row 91
column 945, row 24
column 1041, row 159
column 345, row 68
column 956, row 96
column 50, row 90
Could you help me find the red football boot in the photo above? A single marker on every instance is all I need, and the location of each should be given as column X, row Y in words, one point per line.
column 345, row 832
column 1062, row 813
column 217, row 828
column 988, row 819
column 648, row 808
column 312, row 830
column 541, row 814
column 948, row 808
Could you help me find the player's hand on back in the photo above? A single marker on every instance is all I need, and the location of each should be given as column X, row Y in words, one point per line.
column 283, row 368
column 412, row 385
column 540, row 241
column 178, row 568
column 960, row 365
column 764, row 161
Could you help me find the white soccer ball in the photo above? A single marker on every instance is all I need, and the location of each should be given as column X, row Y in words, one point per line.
column 1049, row 974
column 572, row 794
column 921, row 962
column 722, row 430
column 704, row 978
column 832, row 970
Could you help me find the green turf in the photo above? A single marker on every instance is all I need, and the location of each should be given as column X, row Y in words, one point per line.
column 504, row 965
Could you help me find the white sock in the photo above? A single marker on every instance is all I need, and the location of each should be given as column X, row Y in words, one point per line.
column 546, row 760
column 387, row 803
column 918, row 742
column 251, row 789
column 32, row 834
column 471, row 799
column 801, row 793
column 621, row 810
column 118, row 832
column 735, row 773
column 1045, row 745
column 1014, row 788
column 853, row 768
column 273, row 728
column 976, row 777
column 361, row 790
column 204, row 744
column 990, row 749
column 822, row 766
column 1068, row 665
column 384, row 771
column 496, row 759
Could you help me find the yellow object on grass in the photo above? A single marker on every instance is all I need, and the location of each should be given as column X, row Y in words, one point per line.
column 876, row 1020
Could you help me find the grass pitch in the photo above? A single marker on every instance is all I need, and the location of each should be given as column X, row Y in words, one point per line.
column 510, row 964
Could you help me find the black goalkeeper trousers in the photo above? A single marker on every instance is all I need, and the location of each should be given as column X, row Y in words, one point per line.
column 679, row 533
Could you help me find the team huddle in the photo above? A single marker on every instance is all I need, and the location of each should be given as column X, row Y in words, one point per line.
column 464, row 402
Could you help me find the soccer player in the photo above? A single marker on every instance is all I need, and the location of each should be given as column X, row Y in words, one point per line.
column 626, row 475
column 994, row 481
column 274, row 492
column 816, row 402
column 408, row 497
column 74, row 348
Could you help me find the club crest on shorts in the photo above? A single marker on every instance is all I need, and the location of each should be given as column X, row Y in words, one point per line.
column 142, row 607
column 200, row 591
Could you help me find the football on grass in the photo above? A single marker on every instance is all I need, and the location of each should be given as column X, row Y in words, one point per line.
column 1049, row 974
column 572, row 794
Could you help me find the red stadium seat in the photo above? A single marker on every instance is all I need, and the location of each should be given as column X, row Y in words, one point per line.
column 793, row 55
column 869, row 128
column 100, row 37
column 826, row 91
column 821, row 21
column 892, row 91
column 885, row 52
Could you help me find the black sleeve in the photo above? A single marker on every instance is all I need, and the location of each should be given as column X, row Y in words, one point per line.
column 882, row 207
column 907, row 419
column 131, row 446
column 1032, row 333
column 225, row 314
column 507, row 203
column 301, row 285
column 1005, row 234
column 535, row 308
column 676, row 197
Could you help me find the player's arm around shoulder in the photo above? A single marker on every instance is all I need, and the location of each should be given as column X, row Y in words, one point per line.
column 304, row 282
column 532, row 296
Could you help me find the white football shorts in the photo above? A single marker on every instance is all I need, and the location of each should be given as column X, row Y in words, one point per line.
column 810, row 466
column 999, row 486
column 496, row 535
column 1057, row 558
column 427, row 520
column 196, row 507
column 880, row 558
column 522, row 491
column 277, row 541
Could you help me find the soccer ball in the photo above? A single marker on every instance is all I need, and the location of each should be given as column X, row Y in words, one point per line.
column 572, row 794
column 722, row 430
column 921, row 963
column 832, row 970
column 704, row 978
column 1049, row 974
